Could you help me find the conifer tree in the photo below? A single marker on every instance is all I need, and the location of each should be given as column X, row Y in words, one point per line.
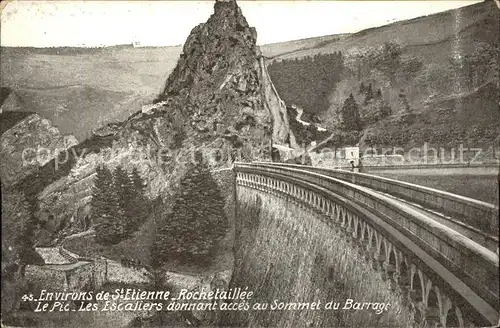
column 138, row 205
column 123, row 186
column 362, row 88
column 384, row 110
column 350, row 118
column 127, row 198
column 369, row 94
column 107, row 215
column 197, row 221
column 405, row 105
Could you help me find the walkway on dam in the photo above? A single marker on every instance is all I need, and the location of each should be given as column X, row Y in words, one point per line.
column 487, row 241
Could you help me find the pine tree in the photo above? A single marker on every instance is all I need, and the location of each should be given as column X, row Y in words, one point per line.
column 384, row 110
column 137, row 208
column 197, row 221
column 103, row 183
column 405, row 105
column 369, row 94
column 379, row 94
column 123, row 186
column 107, row 216
column 350, row 119
column 362, row 88
column 126, row 195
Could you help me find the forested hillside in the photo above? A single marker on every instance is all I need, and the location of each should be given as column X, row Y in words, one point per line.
column 382, row 86
column 307, row 82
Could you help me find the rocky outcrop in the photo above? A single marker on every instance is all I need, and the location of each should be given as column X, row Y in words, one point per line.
column 221, row 85
column 29, row 144
column 218, row 100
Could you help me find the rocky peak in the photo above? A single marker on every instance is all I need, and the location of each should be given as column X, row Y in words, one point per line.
column 220, row 85
column 221, row 45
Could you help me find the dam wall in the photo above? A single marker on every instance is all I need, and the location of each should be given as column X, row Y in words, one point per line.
column 287, row 253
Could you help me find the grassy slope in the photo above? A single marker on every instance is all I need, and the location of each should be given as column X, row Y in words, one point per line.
column 280, row 49
column 434, row 33
column 81, row 90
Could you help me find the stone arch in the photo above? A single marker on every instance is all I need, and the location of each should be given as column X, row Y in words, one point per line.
column 382, row 251
column 391, row 262
column 417, row 286
column 366, row 234
column 433, row 297
column 404, row 274
column 335, row 212
column 348, row 222
column 432, row 313
column 388, row 248
column 373, row 240
column 359, row 229
column 343, row 218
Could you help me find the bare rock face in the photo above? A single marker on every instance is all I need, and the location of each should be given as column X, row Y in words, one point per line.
column 221, row 86
column 29, row 144
column 218, row 100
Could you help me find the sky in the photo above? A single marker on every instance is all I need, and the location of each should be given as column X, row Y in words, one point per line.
column 163, row 23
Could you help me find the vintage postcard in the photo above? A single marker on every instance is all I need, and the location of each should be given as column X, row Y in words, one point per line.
column 250, row 163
